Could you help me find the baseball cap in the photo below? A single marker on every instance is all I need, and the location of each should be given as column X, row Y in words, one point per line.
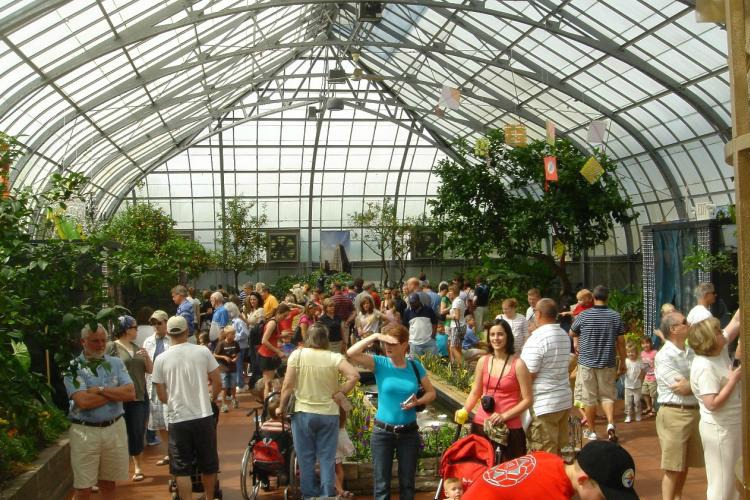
column 159, row 315
column 176, row 325
column 414, row 298
column 611, row 466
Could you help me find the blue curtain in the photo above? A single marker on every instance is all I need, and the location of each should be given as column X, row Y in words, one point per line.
column 672, row 285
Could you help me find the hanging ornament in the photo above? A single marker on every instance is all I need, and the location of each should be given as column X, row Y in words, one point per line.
column 592, row 170
column 550, row 132
column 438, row 112
column 450, row 97
column 482, row 148
column 559, row 248
column 550, row 171
column 597, row 129
column 515, row 134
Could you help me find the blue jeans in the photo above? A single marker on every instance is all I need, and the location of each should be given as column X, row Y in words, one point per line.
column 241, row 358
column 406, row 445
column 429, row 347
column 315, row 438
column 228, row 380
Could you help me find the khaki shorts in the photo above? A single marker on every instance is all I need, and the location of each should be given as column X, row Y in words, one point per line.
column 98, row 453
column 597, row 385
column 679, row 438
column 649, row 388
column 548, row 432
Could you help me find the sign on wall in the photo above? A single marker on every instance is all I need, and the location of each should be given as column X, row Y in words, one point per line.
column 283, row 246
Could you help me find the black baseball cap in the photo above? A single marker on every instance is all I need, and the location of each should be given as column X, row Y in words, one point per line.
column 611, row 466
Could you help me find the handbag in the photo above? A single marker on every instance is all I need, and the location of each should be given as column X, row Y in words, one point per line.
column 420, row 391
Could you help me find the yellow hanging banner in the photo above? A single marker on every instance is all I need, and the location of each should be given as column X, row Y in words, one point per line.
column 515, row 134
column 592, row 170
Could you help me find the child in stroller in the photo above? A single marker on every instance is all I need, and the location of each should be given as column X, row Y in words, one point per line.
column 269, row 454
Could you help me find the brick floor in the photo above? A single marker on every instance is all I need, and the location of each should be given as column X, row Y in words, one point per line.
column 234, row 431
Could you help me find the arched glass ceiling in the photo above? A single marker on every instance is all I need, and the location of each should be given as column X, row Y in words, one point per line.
column 115, row 88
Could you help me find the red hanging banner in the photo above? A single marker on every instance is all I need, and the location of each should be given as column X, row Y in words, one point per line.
column 550, row 171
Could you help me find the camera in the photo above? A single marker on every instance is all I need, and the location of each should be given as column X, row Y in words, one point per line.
column 488, row 403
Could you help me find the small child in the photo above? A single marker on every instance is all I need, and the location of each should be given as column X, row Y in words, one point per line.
column 344, row 449
column 226, row 354
column 205, row 340
column 648, row 354
column 453, row 488
column 441, row 339
column 272, row 424
column 633, row 382
column 286, row 342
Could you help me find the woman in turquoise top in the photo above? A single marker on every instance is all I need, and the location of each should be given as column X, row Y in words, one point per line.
column 398, row 379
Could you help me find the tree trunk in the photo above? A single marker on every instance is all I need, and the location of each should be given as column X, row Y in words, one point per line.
column 384, row 264
column 558, row 269
column 236, row 279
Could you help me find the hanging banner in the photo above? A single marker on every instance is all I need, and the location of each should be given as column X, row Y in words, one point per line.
column 550, row 132
column 515, row 134
column 451, row 97
column 592, row 170
column 550, row 171
column 597, row 129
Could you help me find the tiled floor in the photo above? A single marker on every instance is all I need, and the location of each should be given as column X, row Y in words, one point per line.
column 234, row 431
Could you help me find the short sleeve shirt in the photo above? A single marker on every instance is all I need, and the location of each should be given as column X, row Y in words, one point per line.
column 598, row 329
column 110, row 373
column 396, row 385
column 547, row 353
column 672, row 362
column 317, row 380
column 185, row 309
column 708, row 374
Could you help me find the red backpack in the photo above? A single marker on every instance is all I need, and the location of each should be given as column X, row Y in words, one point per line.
column 267, row 454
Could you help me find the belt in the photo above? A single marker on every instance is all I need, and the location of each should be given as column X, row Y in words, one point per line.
column 398, row 429
column 679, row 407
column 105, row 423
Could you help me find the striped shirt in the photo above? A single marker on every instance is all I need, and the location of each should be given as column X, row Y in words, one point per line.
column 598, row 329
column 519, row 325
column 547, row 354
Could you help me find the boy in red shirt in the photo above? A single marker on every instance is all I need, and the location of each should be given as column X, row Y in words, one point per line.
column 602, row 470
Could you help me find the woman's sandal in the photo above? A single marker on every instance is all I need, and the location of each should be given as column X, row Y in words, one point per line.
column 138, row 476
column 163, row 461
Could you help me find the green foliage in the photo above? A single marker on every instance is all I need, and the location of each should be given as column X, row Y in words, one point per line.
column 458, row 376
column 285, row 283
column 243, row 242
column 385, row 234
column 497, row 203
column 149, row 253
column 48, row 290
column 512, row 277
column 629, row 303
column 703, row 260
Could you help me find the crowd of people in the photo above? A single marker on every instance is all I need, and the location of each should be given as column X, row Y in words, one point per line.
column 531, row 372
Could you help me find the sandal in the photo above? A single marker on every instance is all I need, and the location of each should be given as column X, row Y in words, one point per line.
column 163, row 461
column 138, row 476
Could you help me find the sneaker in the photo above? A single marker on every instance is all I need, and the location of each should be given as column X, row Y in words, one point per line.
column 590, row 435
column 611, row 433
column 638, row 418
column 155, row 442
column 224, row 408
column 628, row 419
column 236, row 403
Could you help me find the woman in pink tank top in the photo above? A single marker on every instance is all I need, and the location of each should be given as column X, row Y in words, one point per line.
column 503, row 377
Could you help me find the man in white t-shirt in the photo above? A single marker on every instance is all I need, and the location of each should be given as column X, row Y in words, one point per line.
column 705, row 294
column 181, row 376
column 547, row 354
column 533, row 296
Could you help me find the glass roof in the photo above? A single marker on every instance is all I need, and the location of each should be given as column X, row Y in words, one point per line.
column 146, row 97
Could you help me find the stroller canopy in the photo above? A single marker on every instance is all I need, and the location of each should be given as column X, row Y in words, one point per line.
column 467, row 458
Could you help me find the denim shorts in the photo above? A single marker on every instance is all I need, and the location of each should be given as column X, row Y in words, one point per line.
column 229, row 380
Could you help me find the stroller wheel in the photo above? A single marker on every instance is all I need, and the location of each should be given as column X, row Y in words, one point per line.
column 292, row 490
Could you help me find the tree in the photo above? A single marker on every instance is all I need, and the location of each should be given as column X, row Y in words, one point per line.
column 385, row 234
column 243, row 242
column 150, row 253
column 493, row 200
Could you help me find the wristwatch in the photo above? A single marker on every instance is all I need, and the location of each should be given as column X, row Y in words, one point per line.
column 100, row 389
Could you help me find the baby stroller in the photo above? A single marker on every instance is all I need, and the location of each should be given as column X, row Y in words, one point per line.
column 466, row 459
column 269, row 454
column 195, row 476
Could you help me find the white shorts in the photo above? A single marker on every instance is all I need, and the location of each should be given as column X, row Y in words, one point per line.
column 98, row 453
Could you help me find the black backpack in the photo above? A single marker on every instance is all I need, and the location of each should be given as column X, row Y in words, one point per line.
column 256, row 333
